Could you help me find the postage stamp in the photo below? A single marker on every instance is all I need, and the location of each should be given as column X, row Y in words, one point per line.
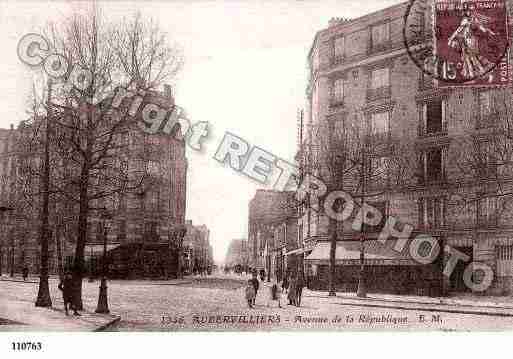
column 471, row 41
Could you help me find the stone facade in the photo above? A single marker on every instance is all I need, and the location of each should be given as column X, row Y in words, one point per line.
column 155, row 212
column 271, row 213
column 237, row 255
column 197, row 250
column 355, row 80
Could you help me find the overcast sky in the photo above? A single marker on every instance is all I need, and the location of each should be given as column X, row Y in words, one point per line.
column 245, row 72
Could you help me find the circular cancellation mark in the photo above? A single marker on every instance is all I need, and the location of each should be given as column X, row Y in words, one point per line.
column 470, row 41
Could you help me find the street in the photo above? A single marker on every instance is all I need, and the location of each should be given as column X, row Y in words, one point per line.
column 217, row 303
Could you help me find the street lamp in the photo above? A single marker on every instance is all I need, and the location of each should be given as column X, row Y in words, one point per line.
column 3, row 209
column 103, row 304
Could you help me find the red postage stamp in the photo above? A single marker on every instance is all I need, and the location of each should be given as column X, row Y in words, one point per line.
column 471, row 43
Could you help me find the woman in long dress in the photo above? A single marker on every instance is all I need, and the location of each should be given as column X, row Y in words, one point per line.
column 291, row 295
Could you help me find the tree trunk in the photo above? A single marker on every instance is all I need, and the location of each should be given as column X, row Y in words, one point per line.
column 60, row 269
column 332, row 230
column 78, row 265
column 43, row 296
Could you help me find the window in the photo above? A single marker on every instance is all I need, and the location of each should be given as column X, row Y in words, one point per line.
column 485, row 107
column 339, row 47
column 380, row 34
column 432, row 212
column 487, row 211
column 153, row 168
column 338, row 91
column 433, row 117
column 122, row 229
column 380, row 78
column 432, row 162
column 504, row 257
column 379, row 123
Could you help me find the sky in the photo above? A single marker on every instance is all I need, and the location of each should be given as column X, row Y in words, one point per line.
column 245, row 72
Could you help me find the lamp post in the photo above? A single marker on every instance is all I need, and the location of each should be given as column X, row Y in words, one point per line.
column 3, row 209
column 103, row 304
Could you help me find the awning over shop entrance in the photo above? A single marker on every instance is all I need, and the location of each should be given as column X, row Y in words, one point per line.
column 300, row 250
column 95, row 249
column 348, row 253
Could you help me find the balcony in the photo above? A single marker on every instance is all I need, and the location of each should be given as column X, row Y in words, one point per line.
column 433, row 130
column 376, row 48
column 379, row 93
column 337, row 60
column 337, row 102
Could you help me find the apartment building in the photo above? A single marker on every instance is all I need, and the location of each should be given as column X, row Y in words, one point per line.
column 436, row 151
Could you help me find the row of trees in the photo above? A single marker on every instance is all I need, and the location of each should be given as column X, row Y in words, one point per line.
column 74, row 158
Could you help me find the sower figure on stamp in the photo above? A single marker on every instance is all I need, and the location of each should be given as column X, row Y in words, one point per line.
column 465, row 38
column 66, row 286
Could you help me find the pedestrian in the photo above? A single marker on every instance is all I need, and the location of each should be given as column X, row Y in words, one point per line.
column 262, row 275
column 25, row 272
column 250, row 293
column 274, row 293
column 66, row 286
column 292, row 291
column 285, row 283
column 300, row 284
column 256, row 285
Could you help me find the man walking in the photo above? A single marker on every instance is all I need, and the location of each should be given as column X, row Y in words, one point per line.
column 66, row 286
column 300, row 284
column 255, row 283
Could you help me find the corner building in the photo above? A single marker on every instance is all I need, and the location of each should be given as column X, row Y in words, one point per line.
column 428, row 144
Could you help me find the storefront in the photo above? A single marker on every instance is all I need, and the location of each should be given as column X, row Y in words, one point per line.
column 386, row 271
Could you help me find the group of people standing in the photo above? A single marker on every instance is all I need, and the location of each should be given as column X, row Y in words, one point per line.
column 293, row 287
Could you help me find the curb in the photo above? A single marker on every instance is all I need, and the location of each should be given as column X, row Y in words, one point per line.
column 107, row 325
column 19, row 281
column 171, row 283
column 422, row 306
column 424, row 309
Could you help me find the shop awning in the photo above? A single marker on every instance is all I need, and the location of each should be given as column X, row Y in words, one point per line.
column 348, row 253
column 300, row 250
column 96, row 250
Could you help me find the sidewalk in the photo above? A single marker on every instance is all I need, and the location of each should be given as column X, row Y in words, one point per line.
column 497, row 306
column 35, row 280
column 18, row 315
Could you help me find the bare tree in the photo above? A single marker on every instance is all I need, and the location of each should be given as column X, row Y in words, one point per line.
column 89, row 135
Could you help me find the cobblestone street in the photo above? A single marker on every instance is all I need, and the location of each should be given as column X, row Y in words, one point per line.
column 217, row 303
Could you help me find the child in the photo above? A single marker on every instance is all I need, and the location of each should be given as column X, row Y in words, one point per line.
column 274, row 293
column 250, row 293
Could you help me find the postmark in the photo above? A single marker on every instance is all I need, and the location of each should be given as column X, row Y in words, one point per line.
column 459, row 42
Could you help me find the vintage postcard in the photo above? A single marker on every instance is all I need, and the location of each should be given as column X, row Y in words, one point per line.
column 212, row 166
